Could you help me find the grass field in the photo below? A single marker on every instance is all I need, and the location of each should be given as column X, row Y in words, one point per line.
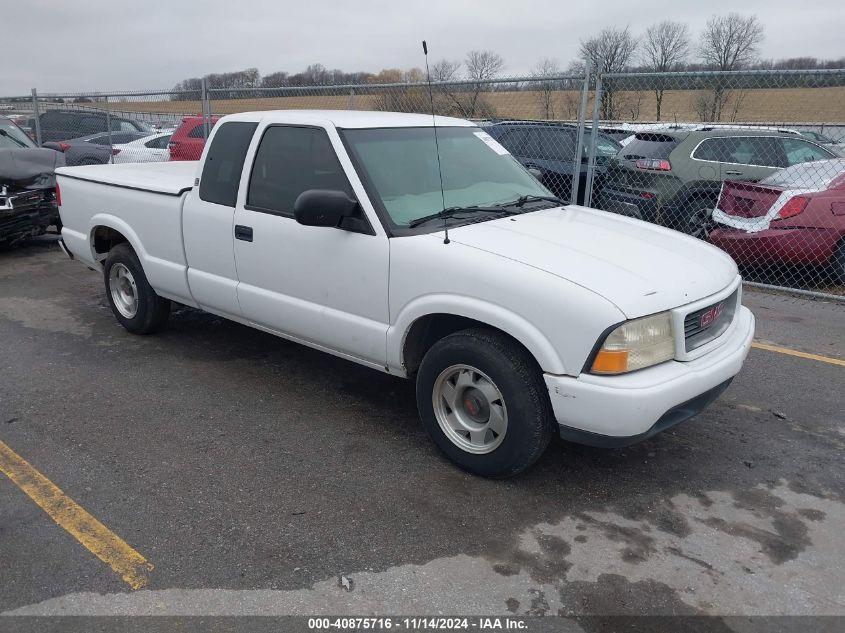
column 783, row 105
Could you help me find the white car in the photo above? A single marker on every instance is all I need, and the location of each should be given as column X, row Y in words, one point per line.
column 148, row 149
column 516, row 316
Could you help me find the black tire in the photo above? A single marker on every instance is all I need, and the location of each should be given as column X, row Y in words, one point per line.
column 152, row 311
column 515, row 373
column 838, row 263
column 697, row 211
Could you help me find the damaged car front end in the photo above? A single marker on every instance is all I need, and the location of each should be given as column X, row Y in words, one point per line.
column 27, row 190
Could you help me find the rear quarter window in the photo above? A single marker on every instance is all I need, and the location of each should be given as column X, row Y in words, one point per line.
column 647, row 145
column 224, row 162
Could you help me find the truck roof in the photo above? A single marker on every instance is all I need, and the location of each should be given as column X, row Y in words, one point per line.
column 349, row 118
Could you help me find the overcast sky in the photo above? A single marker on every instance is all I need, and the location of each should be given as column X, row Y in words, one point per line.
column 80, row 45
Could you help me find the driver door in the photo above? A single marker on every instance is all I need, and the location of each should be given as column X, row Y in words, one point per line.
column 326, row 287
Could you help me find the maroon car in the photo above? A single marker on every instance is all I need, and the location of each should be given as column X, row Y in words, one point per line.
column 795, row 216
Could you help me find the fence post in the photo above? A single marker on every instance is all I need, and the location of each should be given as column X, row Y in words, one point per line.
column 351, row 105
column 108, row 130
column 36, row 117
column 594, row 134
column 206, row 108
column 579, row 141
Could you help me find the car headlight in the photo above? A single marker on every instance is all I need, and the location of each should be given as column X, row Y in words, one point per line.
column 636, row 344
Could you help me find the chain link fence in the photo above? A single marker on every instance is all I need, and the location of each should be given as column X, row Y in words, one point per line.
column 750, row 161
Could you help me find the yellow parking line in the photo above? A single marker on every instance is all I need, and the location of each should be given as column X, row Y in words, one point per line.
column 96, row 537
column 795, row 352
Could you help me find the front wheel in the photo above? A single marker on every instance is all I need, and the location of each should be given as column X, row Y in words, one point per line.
column 483, row 400
column 134, row 302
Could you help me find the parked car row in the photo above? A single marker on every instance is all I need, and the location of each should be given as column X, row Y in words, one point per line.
column 674, row 178
column 774, row 195
column 117, row 147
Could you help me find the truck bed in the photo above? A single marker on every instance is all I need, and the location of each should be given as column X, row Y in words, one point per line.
column 141, row 202
column 173, row 178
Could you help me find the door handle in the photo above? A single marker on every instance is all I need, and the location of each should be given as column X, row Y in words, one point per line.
column 243, row 233
column 733, row 172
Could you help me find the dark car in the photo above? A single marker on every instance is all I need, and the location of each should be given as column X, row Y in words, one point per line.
column 95, row 149
column 27, row 185
column 673, row 177
column 61, row 125
column 550, row 149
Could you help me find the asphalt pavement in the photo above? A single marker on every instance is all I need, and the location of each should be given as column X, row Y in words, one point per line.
column 259, row 477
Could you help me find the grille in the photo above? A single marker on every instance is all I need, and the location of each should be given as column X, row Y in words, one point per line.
column 708, row 323
column 21, row 202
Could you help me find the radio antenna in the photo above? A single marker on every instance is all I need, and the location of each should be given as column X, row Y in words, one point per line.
column 436, row 144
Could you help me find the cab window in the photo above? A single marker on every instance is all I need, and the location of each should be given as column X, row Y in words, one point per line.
column 290, row 160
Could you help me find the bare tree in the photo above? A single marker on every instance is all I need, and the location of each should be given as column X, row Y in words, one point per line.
column 731, row 41
column 611, row 51
column 546, row 86
column 665, row 47
column 728, row 42
column 447, row 100
column 481, row 67
column 445, row 70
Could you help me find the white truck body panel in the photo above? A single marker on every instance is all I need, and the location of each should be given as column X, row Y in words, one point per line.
column 556, row 280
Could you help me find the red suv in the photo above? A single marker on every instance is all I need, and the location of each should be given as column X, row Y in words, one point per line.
column 188, row 140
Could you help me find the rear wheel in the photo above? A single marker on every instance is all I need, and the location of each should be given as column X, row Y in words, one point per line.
column 483, row 400
column 696, row 214
column 133, row 301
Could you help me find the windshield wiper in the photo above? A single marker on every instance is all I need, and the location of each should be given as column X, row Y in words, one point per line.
column 16, row 140
column 452, row 212
column 519, row 202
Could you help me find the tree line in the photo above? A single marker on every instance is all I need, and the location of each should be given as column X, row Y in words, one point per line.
column 727, row 42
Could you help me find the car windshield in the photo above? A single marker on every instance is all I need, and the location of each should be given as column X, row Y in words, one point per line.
column 813, row 175
column 11, row 136
column 401, row 164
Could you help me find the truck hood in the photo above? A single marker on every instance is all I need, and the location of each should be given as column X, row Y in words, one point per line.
column 639, row 267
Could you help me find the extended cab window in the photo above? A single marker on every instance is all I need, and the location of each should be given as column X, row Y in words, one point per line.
column 221, row 173
column 291, row 160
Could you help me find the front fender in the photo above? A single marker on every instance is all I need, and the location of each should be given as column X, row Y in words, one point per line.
column 494, row 315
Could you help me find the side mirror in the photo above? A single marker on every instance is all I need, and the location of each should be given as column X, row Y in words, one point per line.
column 535, row 172
column 323, row 207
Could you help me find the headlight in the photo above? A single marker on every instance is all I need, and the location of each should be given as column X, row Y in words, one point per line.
column 636, row 344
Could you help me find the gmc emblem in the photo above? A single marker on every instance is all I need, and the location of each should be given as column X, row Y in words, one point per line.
column 711, row 315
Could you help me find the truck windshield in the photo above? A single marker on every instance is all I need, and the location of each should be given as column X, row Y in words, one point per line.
column 401, row 165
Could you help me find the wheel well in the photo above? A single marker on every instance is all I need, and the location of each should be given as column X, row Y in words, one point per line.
column 104, row 239
column 428, row 329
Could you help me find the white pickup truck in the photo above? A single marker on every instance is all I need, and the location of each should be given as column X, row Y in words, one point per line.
column 328, row 228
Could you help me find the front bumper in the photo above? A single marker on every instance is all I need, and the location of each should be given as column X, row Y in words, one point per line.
column 622, row 410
